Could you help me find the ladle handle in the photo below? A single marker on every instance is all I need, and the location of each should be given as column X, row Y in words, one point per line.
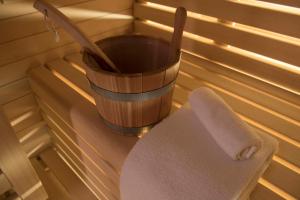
column 60, row 19
column 179, row 22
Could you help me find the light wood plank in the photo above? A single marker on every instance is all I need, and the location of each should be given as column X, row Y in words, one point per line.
column 26, row 120
column 36, row 128
column 25, row 181
column 19, row 106
column 284, row 178
column 14, row 90
column 17, row 8
column 34, row 23
column 37, row 144
column 34, row 139
column 12, row 51
column 224, row 55
column 237, row 35
column 75, row 76
column 52, row 185
column 238, row 11
column 260, row 192
column 293, row 3
column 68, row 178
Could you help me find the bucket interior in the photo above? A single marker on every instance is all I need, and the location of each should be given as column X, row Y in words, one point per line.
column 136, row 53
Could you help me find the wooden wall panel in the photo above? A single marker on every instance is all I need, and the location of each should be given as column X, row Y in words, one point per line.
column 236, row 35
column 245, row 12
column 45, row 41
column 225, row 55
column 77, row 12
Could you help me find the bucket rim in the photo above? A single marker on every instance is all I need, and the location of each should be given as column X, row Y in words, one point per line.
column 116, row 74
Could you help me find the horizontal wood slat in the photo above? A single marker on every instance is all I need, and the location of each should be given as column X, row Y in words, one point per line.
column 68, row 178
column 26, row 120
column 37, row 128
column 34, row 139
column 35, row 24
column 252, row 81
column 293, row 3
column 35, row 44
column 260, row 192
column 283, row 178
column 19, row 106
column 260, row 43
column 23, row 7
column 224, row 55
column 70, row 73
column 239, row 11
column 14, row 90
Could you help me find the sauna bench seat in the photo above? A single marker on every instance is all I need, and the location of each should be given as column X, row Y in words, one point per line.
column 97, row 153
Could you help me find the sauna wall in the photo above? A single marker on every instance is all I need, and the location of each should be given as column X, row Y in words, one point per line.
column 25, row 42
column 248, row 52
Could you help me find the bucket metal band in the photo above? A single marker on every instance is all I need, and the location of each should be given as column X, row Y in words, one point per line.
column 128, row 131
column 117, row 96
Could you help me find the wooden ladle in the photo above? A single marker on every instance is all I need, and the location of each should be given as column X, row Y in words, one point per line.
column 179, row 22
column 60, row 19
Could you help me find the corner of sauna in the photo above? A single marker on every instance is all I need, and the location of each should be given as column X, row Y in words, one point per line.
column 105, row 100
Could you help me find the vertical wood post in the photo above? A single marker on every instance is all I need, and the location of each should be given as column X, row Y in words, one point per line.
column 16, row 166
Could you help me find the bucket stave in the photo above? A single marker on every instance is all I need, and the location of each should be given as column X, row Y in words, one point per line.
column 141, row 95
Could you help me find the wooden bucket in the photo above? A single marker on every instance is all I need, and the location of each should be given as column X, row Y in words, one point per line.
column 133, row 101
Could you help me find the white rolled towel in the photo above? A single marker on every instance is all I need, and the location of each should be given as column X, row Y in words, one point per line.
column 233, row 135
